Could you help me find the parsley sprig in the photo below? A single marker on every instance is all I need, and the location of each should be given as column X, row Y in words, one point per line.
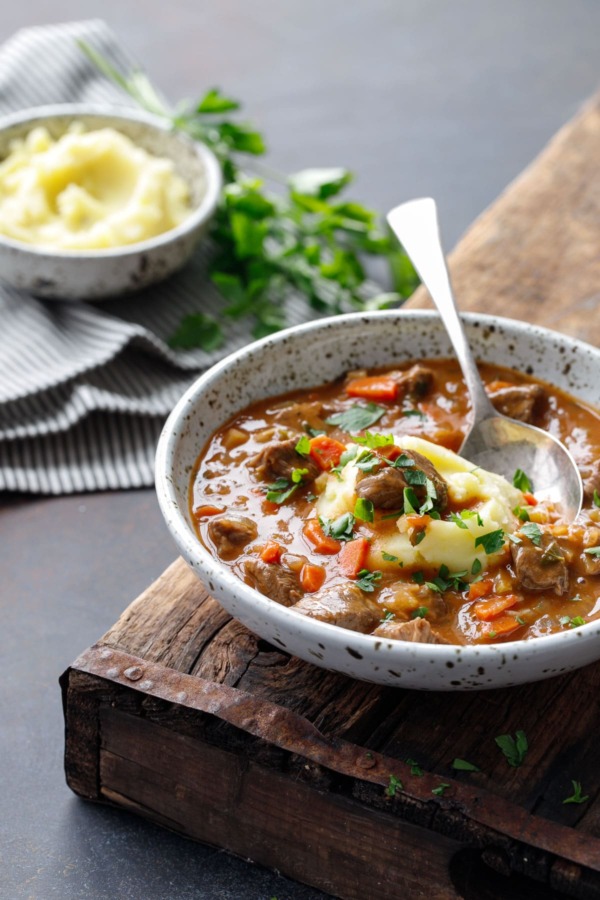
column 302, row 237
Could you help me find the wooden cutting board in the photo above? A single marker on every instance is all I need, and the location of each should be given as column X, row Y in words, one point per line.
column 180, row 714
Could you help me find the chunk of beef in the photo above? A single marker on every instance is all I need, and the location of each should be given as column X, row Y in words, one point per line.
column 590, row 473
column 230, row 534
column 342, row 604
column 541, row 568
column 296, row 416
column 419, row 631
column 385, row 488
column 279, row 458
column 517, row 401
column 273, row 580
column 416, row 381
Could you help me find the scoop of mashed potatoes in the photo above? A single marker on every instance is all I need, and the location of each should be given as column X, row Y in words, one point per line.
column 488, row 499
column 87, row 191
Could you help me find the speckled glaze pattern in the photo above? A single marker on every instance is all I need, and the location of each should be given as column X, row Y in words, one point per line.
column 321, row 351
column 98, row 274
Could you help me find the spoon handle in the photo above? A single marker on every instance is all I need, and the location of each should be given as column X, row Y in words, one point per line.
column 416, row 226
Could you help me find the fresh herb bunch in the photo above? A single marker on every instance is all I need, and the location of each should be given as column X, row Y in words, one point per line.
column 302, row 237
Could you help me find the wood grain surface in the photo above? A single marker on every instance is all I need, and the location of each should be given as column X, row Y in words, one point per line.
column 217, row 770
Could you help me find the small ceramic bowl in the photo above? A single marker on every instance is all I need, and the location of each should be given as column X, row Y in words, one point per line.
column 95, row 274
column 287, row 361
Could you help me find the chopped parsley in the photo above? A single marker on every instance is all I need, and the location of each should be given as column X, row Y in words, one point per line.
column 366, row 580
column 281, row 490
column 462, row 765
column 415, row 477
column 414, row 412
column 441, row 789
column 476, row 567
column 592, row 551
column 389, row 557
column 387, row 616
column 532, row 531
column 576, row 796
column 394, row 785
column 514, row 748
column 367, row 461
column 521, row 620
column 521, row 513
column 357, row 417
column 459, row 519
column 313, row 432
column 298, row 475
column 364, row 510
column 415, row 768
column 574, row 622
column 522, row 482
column 419, row 537
column 403, row 462
column 418, row 578
column 411, row 504
column 446, row 580
column 375, row 440
column 342, row 528
column 420, row 612
column 303, row 446
column 491, row 542
column 596, row 498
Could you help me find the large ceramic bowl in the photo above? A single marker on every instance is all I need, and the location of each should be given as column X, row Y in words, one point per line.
column 322, row 351
column 96, row 274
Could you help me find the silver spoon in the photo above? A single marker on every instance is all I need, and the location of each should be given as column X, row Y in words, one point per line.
column 493, row 441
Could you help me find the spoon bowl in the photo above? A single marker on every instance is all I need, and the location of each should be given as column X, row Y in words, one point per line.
column 494, row 441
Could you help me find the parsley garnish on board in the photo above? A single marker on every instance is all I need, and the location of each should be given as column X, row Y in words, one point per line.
column 576, row 796
column 394, row 785
column 514, row 749
column 357, row 417
column 463, row 765
column 304, row 237
column 441, row 789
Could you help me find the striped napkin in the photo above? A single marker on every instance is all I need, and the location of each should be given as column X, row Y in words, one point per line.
column 85, row 389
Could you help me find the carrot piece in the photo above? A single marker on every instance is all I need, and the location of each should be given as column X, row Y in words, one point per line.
column 480, row 589
column 271, row 552
column 531, row 500
column 311, row 577
column 373, row 387
column 502, row 626
column 325, row 451
column 353, row 557
column 490, row 609
column 202, row 512
column 322, row 542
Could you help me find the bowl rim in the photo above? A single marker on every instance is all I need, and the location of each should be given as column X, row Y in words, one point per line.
column 201, row 213
column 182, row 533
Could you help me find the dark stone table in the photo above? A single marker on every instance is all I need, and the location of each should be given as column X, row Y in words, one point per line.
column 417, row 97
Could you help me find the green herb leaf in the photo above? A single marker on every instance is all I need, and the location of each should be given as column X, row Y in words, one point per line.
column 491, row 542
column 321, row 183
column 197, row 330
column 389, row 557
column 522, row 482
column 414, row 412
column 420, row 612
column 387, row 616
column 342, row 528
column 298, row 475
column 215, row 102
column 476, row 567
column 366, row 580
column 303, row 445
column 514, row 749
column 521, row 513
column 357, row 417
column 281, row 490
column 375, row 440
column 462, row 765
column 532, row 531
column 592, row 551
column 441, row 789
column 596, row 498
column 411, row 504
column 415, row 768
column 364, row 510
column 576, row 796
column 367, row 461
column 394, row 785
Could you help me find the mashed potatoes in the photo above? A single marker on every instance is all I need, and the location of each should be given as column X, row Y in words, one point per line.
column 489, row 499
column 87, row 191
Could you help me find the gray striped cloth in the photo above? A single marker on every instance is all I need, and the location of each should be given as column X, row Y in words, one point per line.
column 85, row 389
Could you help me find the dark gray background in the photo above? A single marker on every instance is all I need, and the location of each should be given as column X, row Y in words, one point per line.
column 416, row 96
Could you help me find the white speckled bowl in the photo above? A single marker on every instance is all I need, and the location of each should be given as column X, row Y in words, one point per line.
column 319, row 352
column 96, row 274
